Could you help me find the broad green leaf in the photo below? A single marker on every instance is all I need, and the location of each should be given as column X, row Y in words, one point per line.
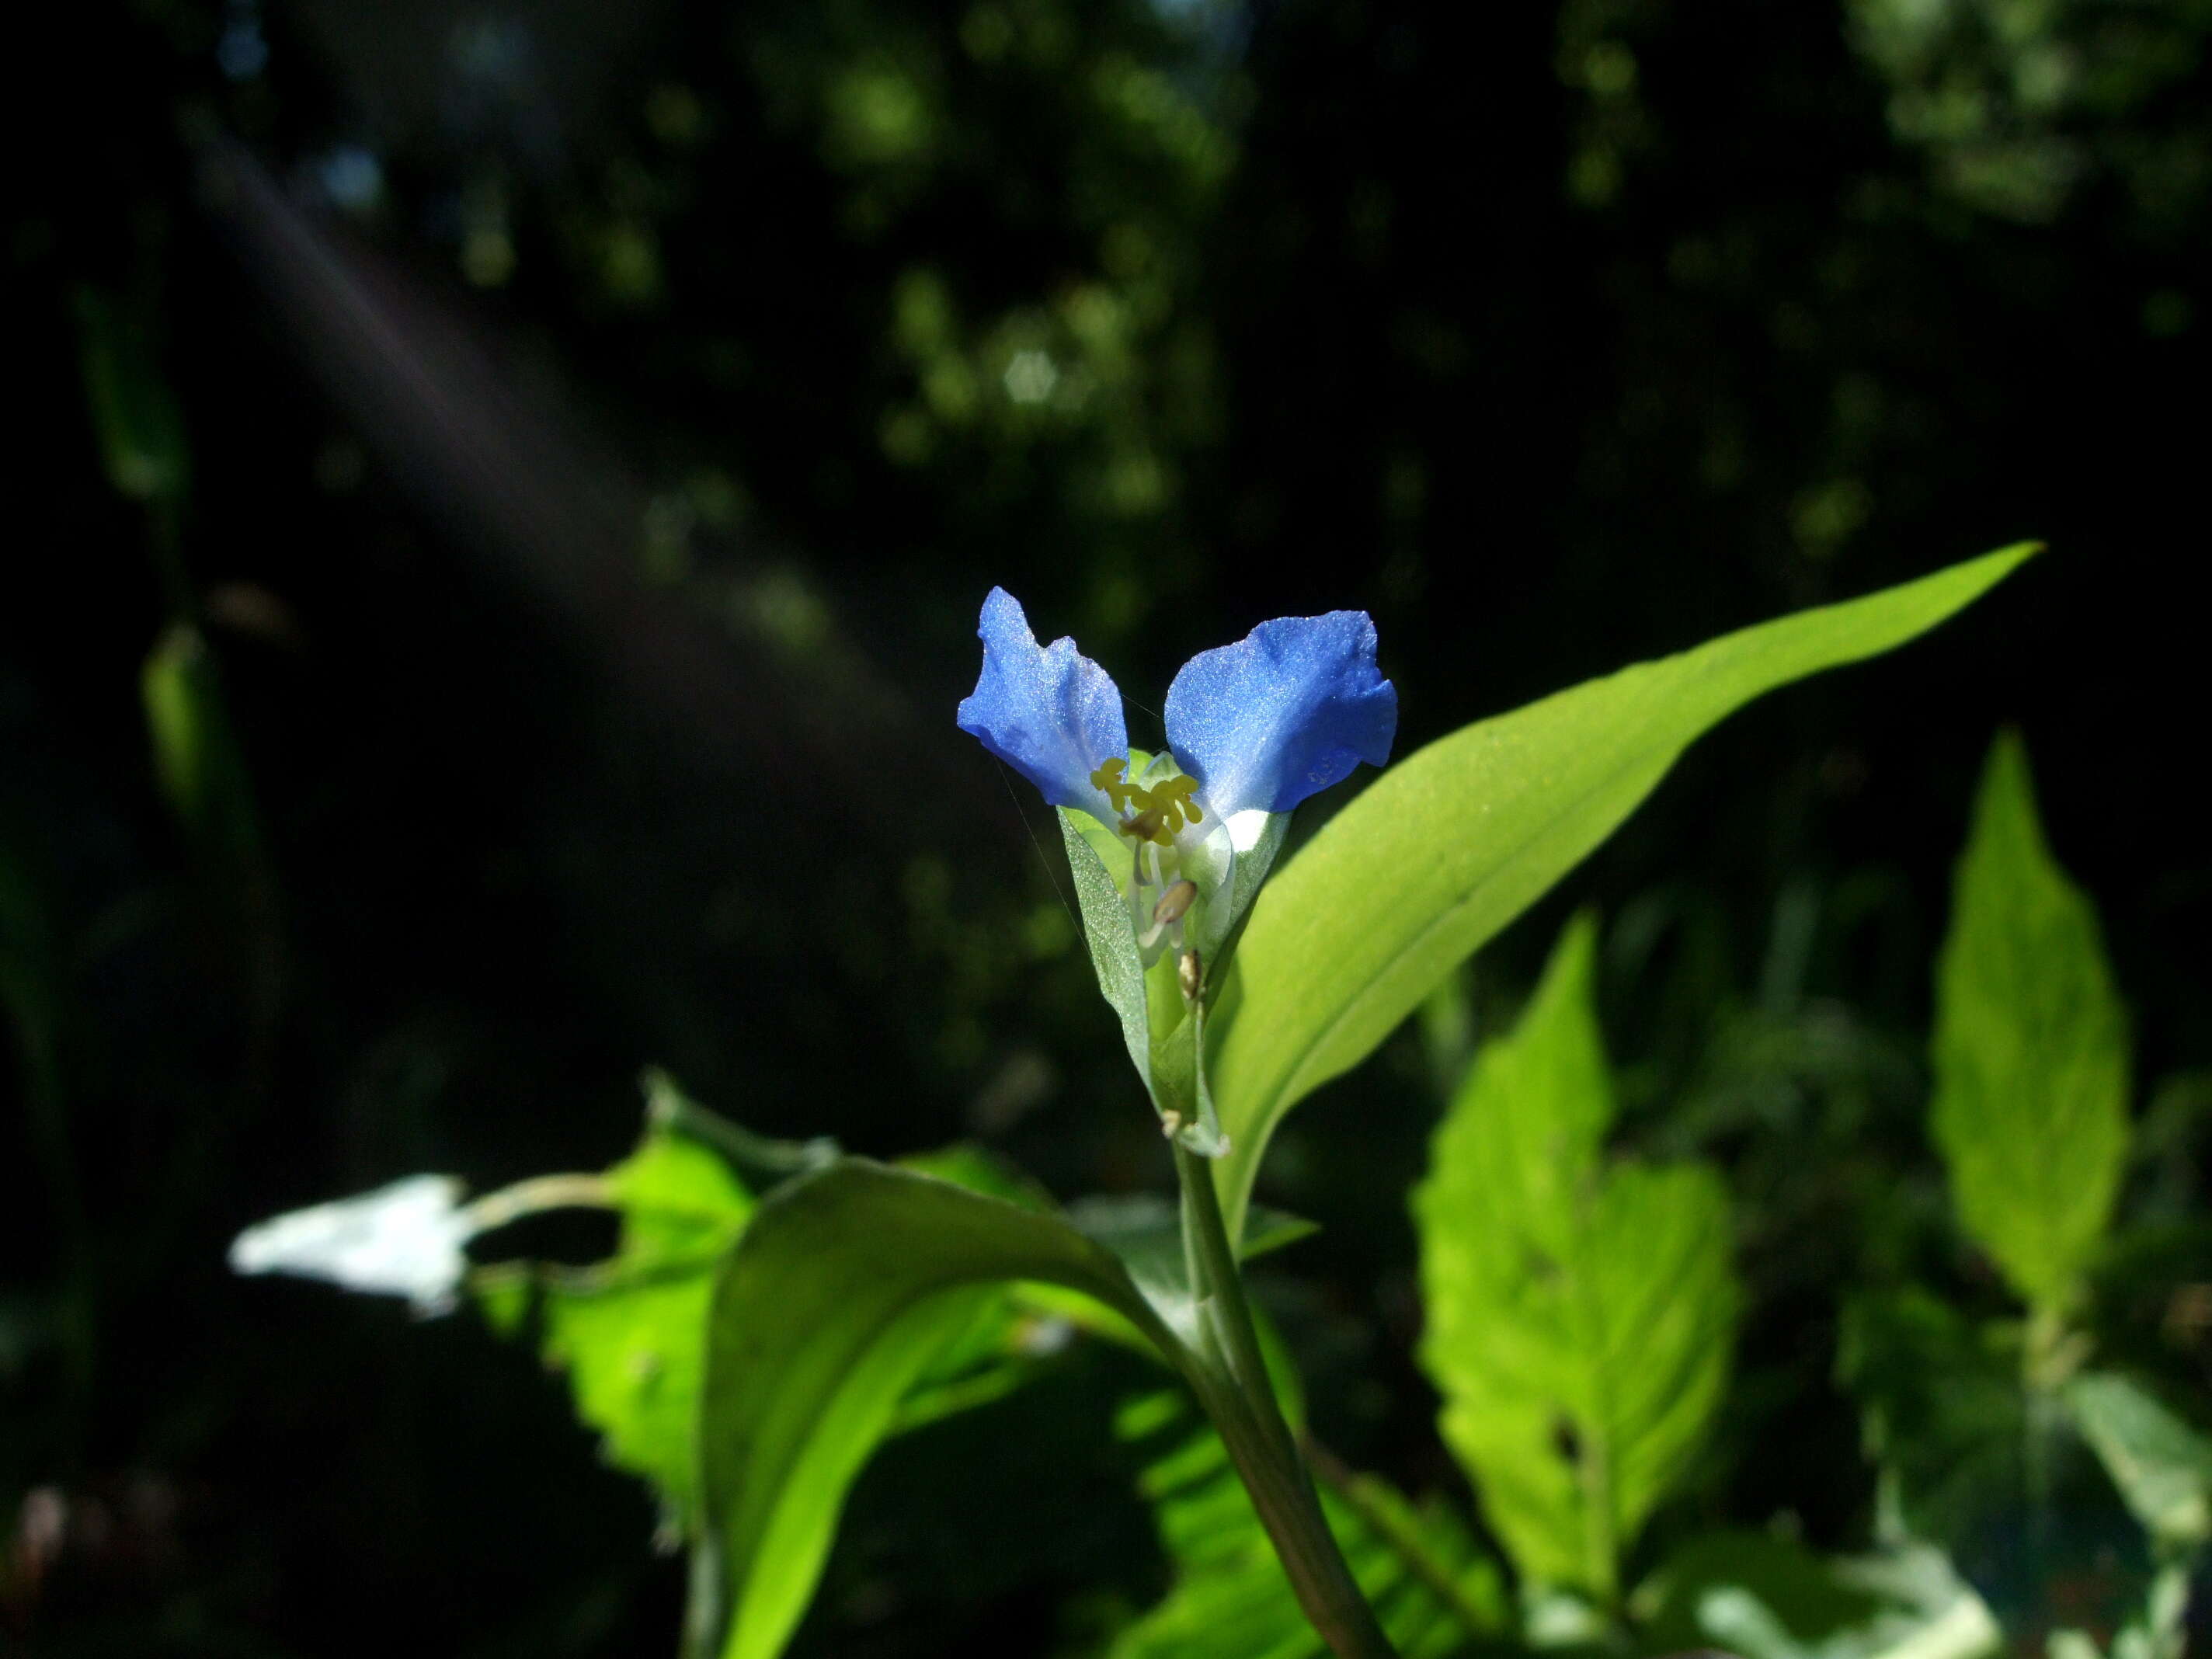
column 2162, row 1465
column 633, row 1343
column 1580, row 1317
column 1431, row 1585
column 2030, row 1049
column 842, row 1289
column 679, row 1199
column 1453, row 842
column 630, row 1332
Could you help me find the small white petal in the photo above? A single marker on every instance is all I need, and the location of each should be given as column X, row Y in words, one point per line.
column 401, row 1240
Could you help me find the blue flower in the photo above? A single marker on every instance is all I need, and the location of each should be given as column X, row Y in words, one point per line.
column 1253, row 729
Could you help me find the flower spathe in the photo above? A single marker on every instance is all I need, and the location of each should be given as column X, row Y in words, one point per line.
column 1252, row 729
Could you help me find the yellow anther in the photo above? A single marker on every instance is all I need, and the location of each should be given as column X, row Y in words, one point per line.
column 1172, row 796
column 1107, row 780
column 1155, row 814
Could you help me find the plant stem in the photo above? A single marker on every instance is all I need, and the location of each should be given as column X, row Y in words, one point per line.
column 1234, row 1390
column 539, row 1193
column 670, row 1109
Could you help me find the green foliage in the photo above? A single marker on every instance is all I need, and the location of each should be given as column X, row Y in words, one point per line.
column 847, row 1284
column 1434, row 1588
column 195, row 754
column 1580, row 1317
column 1099, row 867
column 2019, row 108
column 631, row 1332
column 1158, row 1022
column 2030, row 1049
column 1451, row 843
column 2162, row 1465
column 1942, row 1412
column 1768, row 1597
column 134, row 408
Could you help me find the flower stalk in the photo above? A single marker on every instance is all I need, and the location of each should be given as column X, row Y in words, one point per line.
column 1235, row 1392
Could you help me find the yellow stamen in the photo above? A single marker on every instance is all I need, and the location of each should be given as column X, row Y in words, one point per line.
column 1155, row 814
column 1172, row 796
column 1107, row 780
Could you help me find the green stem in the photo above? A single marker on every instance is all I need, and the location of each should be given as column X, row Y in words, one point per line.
column 539, row 1193
column 670, row 1109
column 1234, row 1390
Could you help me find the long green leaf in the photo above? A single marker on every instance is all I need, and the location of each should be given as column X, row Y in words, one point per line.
column 845, row 1283
column 2030, row 1049
column 1449, row 845
column 1580, row 1318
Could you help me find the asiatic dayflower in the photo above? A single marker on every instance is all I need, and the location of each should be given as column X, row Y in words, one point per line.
column 1186, row 834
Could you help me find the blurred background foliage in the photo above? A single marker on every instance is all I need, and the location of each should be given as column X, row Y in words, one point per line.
column 500, row 498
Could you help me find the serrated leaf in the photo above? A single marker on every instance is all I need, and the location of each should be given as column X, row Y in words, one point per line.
column 1449, row 845
column 845, row 1285
column 2030, row 1049
column 1579, row 1317
column 2162, row 1465
column 1434, row 1588
column 633, row 1345
column 678, row 1201
column 631, row 1332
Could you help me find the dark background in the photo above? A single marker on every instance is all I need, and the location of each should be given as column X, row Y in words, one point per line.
column 581, row 436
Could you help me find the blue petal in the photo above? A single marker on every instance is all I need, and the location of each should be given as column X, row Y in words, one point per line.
column 1048, row 712
column 1289, row 710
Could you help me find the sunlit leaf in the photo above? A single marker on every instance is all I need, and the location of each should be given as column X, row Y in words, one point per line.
column 2030, row 1049
column 845, row 1285
column 1580, row 1317
column 631, row 1332
column 1450, row 844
